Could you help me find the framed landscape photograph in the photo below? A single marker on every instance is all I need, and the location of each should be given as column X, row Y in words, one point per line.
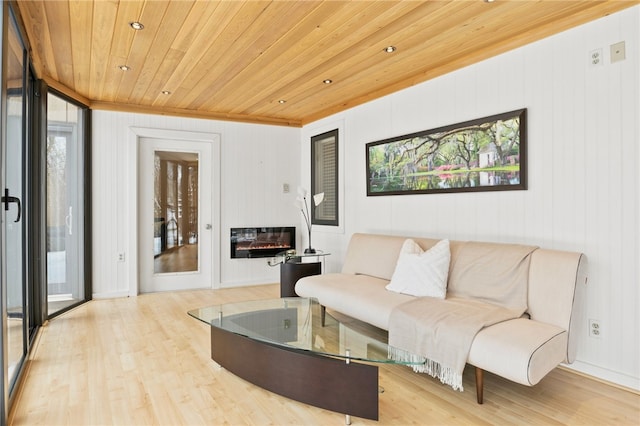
column 486, row 154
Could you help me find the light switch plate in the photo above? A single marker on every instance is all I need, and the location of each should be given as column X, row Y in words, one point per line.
column 618, row 52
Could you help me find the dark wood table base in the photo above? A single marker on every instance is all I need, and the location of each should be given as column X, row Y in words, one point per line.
column 321, row 381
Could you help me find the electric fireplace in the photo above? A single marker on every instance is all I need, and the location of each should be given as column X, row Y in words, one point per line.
column 261, row 242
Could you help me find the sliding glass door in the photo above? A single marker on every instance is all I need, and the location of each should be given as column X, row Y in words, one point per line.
column 65, row 204
column 13, row 229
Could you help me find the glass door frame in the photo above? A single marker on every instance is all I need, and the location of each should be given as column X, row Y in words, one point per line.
column 85, row 186
column 10, row 22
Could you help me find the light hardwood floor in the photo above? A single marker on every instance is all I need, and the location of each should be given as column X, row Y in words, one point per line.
column 144, row 361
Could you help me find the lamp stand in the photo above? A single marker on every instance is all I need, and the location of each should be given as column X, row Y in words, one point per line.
column 309, row 250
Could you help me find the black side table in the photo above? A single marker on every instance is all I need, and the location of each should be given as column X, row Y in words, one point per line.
column 295, row 265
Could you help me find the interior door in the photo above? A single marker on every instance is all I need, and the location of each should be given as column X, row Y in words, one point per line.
column 175, row 215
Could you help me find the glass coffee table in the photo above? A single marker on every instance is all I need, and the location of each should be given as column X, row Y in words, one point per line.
column 290, row 347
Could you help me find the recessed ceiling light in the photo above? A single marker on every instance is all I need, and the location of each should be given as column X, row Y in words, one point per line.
column 327, row 81
column 390, row 49
column 166, row 92
column 489, row 1
column 282, row 101
column 124, row 67
column 136, row 25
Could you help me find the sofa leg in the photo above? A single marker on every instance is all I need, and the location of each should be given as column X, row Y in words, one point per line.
column 479, row 384
column 323, row 314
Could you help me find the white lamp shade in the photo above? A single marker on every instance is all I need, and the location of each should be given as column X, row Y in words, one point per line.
column 318, row 198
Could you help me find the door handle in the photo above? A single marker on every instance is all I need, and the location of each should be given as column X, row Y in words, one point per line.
column 8, row 199
column 68, row 220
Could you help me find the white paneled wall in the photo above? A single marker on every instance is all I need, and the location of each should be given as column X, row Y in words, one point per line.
column 584, row 179
column 254, row 161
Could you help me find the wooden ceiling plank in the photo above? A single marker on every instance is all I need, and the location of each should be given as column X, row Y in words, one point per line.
column 150, row 75
column 121, row 41
column 112, row 78
column 329, row 43
column 33, row 24
column 317, row 33
column 489, row 41
column 185, row 77
column 59, row 26
column 340, row 35
column 104, row 16
column 15, row 60
column 439, row 40
column 215, row 63
column 81, row 21
column 193, row 25
column 443, row 39
column 282, row 16
column 434, row 33
column 365, row 51
column 37, row 27
column 152, row 15
column 186, row 42
column 340, row 61
column 153, row 95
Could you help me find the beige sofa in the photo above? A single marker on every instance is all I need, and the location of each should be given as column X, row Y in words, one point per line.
column 523, row 349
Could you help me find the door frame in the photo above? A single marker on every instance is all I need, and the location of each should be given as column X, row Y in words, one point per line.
column 133, row 242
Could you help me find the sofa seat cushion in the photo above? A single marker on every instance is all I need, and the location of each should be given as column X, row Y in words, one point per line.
column 521, row 350
column 360, row 296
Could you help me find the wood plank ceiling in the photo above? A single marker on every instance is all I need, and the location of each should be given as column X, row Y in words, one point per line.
column 266, row 61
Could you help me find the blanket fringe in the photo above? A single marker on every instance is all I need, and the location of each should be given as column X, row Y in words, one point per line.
column 420, row 364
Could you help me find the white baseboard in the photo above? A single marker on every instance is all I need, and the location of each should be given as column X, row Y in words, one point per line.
column 615, row 377
column 111, row 295
column 236, row 284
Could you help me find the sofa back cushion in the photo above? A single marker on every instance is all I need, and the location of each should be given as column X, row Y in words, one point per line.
column 496, row 273
column 377, row 255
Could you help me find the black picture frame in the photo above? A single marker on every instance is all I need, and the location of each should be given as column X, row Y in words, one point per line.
column 485, row 154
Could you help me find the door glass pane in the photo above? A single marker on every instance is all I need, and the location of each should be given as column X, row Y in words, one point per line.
column 13, row 220
column 175, row 207
column 65, row 230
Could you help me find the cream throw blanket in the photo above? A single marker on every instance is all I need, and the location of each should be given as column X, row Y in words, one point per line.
column 487, row 285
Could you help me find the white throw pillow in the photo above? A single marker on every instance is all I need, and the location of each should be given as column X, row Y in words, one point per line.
column 422, row 273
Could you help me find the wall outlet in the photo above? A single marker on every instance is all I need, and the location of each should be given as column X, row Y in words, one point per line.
column 595, row 58
column 594, row 328
column 120, row 257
